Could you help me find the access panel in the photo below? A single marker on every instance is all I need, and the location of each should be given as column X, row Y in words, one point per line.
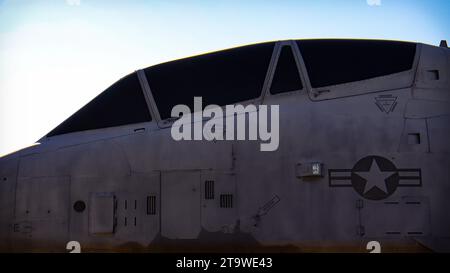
column 180, row 208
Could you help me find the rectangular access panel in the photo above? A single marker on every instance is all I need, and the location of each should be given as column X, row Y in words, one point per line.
column 42, row 197
column 180, row 204
column 101, row 213
column 41, row 213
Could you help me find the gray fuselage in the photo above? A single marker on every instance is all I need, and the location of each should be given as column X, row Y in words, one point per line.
column 134, row 188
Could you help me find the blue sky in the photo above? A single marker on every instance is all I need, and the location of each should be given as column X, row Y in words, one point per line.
column 57, row 55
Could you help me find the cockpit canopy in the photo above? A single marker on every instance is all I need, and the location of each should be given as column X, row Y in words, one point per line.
column 223, row 77
column 238, row 74
column 122, row 103
column 331, row 62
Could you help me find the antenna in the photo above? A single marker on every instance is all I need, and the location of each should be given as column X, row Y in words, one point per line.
column 443, row 43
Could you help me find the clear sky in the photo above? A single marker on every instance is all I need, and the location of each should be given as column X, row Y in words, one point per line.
column 56, row 55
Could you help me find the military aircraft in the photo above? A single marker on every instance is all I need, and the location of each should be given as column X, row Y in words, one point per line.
column 363, row 155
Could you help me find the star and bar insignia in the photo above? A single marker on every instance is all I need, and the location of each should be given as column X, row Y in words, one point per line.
column 375, row 177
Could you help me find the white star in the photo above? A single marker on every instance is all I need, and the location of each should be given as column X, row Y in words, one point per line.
column 375, row 177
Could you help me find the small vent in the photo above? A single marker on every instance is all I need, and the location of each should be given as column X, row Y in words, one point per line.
column 226, row 200
column 209, row 189
column 151, row 205
column 433, row 75
column 393, row 232
column 413, row 138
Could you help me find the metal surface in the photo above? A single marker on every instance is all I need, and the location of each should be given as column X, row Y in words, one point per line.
column 382, row 145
